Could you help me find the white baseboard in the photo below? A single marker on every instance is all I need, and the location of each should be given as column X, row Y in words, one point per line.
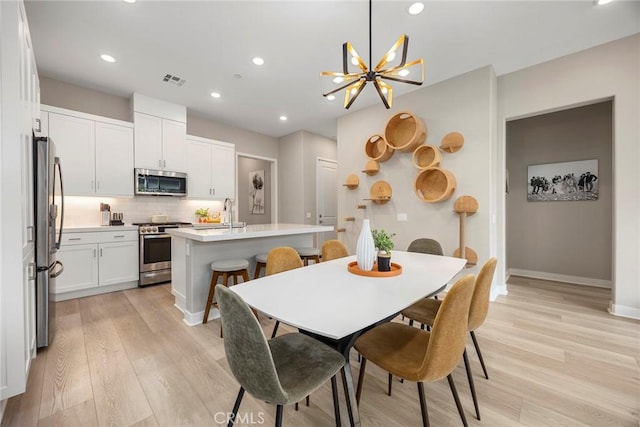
column 577, row 280
column 192, row 319
column 624, row 311
column 94, row 291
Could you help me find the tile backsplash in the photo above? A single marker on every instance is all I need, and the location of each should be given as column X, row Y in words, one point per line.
column 85, row 211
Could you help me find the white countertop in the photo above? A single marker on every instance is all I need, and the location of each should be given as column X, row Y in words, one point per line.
column 92, row 228
column 250, row 232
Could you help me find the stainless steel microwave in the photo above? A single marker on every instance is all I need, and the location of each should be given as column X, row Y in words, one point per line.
column 151, row 182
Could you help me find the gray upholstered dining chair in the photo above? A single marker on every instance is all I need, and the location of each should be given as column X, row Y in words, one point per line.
column 280, row 371
column 426, row 246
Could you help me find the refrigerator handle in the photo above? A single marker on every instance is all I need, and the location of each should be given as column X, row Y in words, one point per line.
column 57, row 163
column 57, row 273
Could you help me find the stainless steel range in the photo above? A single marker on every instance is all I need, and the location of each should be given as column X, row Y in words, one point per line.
column 155, row 251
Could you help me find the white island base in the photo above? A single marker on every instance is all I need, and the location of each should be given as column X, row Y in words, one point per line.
column 193, row 251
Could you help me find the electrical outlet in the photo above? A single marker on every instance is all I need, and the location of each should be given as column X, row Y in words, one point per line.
column 402, row 217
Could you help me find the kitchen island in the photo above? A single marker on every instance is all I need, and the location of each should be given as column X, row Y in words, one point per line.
column 193, row 251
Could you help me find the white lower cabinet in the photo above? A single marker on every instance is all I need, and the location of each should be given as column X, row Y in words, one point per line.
column 97, row 262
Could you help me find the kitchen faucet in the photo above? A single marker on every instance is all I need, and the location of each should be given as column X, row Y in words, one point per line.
column 228, row 200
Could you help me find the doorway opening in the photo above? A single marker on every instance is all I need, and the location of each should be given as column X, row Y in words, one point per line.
column 567, row 239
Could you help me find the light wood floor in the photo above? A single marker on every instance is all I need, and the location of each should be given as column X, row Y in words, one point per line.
column 554, row 355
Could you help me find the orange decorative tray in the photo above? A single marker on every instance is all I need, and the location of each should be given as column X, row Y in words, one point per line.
column 396, row 269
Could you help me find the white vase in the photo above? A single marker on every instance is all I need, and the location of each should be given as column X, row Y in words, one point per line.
column 365, row 249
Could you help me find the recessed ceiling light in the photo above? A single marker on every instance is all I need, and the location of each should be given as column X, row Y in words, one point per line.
column 107, row 58
column 601, row 2
column 331, row 97
column 215, row 95
column 258, row 61
column 416, row 8
column 283, row 118
column 129, row 1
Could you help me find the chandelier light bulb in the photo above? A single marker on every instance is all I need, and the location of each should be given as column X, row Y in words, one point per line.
column 338, row 80
column 404, row 72
column 416, row 8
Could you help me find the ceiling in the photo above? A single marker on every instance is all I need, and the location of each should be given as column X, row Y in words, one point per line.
column 209, row 43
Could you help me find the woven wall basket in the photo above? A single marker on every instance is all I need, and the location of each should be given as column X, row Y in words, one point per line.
column 426, row 156
column 435, row 185
column 405, row 132
column 376, row 148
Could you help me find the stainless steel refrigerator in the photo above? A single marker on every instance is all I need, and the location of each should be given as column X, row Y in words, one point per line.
column 48, row 195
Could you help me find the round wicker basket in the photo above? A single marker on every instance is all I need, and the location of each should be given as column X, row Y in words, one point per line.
column 376, row 148
column 404, row 132
column 435, row 185
column 426, row 156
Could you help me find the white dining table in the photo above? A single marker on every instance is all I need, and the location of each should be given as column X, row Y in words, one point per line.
column 330, row 303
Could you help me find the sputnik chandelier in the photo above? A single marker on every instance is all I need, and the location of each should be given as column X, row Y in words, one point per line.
column 354, row 82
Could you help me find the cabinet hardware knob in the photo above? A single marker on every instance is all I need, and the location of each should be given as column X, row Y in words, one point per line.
column 76, row 238
column 119, row 235
column 95, row 253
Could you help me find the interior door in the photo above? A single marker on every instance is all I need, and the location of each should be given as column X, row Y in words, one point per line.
column 326, row 198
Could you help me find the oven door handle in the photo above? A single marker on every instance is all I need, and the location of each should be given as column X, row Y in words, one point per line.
column 156, row 236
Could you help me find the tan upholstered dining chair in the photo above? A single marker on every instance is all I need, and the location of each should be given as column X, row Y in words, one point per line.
column 280, row 371
column 281, row 259
column 425, row 311
column 332, row 249
column 418, row 355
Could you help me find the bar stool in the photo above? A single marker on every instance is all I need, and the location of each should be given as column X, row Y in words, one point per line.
column 225, row 268
column 261, row 263
column 309, row 254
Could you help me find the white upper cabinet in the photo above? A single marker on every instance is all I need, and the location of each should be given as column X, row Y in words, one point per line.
column 75, row 145
column 211, row 167
column 160, row 134
column 114, row 160
column 96, row 156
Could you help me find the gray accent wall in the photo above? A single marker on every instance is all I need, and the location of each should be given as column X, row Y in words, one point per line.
column 246, row 165
column 297, row 158
column 571, row 238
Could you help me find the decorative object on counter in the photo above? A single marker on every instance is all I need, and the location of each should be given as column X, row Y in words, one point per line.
column 465, row 206
column 202, row 214
column 435, row 185
column 384, row 244
column 159, row 218
column 452, row 142
column 426, row 156
column 352, row 182
column 376, row 148
column 116, row 218
column 353, row 81
column 105, row 213
column 380, row 192
column 371, row 168
column 405, row 132
column 256, row 190
column 365, row 248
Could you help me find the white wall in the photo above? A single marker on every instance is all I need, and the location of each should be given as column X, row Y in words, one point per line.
column 314, row 147
column 606, row 71
column 464, row 104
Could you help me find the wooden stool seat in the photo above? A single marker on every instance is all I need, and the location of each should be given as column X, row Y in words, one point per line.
column 261, row 263
column 309, row 254
column 226, row 268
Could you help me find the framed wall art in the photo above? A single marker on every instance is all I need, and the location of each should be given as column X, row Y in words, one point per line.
column 564, row 181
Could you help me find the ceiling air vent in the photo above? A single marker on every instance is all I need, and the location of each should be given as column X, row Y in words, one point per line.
column 174, row 80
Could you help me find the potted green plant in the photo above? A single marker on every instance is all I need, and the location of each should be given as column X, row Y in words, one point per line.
column 202, row 214
column 384, row 244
